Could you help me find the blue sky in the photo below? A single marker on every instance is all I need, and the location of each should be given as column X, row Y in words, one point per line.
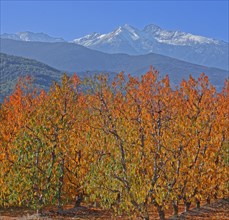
column 72, row 19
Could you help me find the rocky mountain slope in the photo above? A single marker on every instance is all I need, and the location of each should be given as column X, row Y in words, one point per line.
column 153, row 39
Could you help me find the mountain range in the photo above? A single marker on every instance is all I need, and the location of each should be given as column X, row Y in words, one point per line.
column 30, row 36
column 71, row 57
column 127, row 49
column 151, row 39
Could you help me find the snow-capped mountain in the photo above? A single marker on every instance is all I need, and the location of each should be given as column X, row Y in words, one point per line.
column 176, row 37
column 153, row 39
column 30, row 36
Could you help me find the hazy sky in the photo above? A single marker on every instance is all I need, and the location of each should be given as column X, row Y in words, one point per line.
column 72, row 19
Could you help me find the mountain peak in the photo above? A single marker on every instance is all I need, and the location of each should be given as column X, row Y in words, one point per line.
column 123, row 28
column 126, row 32
column 30, row 36
column 152, row 28
column 128, row 27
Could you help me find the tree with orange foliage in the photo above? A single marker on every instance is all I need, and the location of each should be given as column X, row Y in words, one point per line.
column 130, row 144
column 14, row 114
column 47, row 151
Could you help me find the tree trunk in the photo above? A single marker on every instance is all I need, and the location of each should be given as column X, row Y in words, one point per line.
column 96, row 204
column 187, row 206
column 197, row 203
column 145, row 214
column 79, row 199
column 175, row 208
column 161, row 212
column 208, row 200
column 216, row 192
column 61, row 182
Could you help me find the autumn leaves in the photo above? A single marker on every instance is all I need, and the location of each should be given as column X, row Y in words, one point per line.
column 129, row 144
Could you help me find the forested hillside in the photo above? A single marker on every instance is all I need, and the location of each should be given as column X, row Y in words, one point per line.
column 13, row 67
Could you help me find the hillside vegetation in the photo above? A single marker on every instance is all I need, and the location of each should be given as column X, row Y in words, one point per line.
column 13, row 67
column 129, row 146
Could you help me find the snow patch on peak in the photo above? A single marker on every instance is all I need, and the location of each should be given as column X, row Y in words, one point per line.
column 127, row 31
column 30, row 36
column 26, row 36
column 88, row 39
column 176, row 37
column 152, row 28
column 182, row 38
column 93, row 35
column 129, row 28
